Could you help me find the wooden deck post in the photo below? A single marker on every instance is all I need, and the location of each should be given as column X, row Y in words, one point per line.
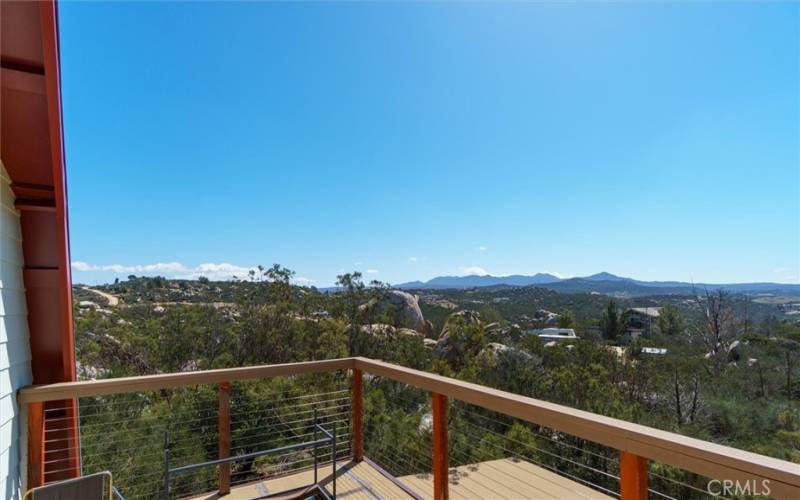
column 358, row 416
column 224, row 423
column 35, row 445
column 441, row 462
column 632, row 476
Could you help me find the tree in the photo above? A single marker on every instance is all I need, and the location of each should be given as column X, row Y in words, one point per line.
column 670, row 321
column 353, row 291
column 566, row 319
column 610, row 324
column 717, row 326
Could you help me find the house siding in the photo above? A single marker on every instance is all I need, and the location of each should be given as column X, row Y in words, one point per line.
column 15, row 355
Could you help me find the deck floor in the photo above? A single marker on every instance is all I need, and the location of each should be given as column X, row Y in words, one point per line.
column 505, row 478
column 496, row 479
column 354, row 481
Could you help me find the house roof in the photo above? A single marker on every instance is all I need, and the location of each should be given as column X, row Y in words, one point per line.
column 647, row 311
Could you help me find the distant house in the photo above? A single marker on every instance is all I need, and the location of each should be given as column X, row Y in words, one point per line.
column 659, row 351
column 555, row 333
column 640, row 321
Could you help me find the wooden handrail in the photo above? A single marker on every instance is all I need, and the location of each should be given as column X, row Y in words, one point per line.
column 701, row 457
column 104, row 387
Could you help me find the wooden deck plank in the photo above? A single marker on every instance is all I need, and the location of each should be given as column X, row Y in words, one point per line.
column 354, row 481
column 495, row 479
column 505, row 478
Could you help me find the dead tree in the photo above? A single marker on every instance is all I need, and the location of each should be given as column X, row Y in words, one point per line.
column 716, row 328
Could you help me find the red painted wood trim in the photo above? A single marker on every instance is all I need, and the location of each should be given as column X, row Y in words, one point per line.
column 632, row 476
column 49, row 20
column 224, row 422
column 47, row 244
column 35, row 445
column 441, row 462
column 358, row 415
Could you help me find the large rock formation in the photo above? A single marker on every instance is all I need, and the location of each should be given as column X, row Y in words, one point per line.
column 444, row 346
column 470, row 318
column 405, row 307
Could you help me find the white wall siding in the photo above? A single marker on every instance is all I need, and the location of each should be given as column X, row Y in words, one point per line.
column 15, row 355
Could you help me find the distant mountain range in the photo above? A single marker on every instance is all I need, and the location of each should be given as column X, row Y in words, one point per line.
column 603, row 282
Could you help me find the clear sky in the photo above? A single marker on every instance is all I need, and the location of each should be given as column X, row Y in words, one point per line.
column 410, row 140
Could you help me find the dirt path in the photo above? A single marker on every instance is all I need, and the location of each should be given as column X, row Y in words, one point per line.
column 112, row 300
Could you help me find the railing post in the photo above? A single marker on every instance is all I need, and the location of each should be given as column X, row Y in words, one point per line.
column 35, row 445
column 441, row 462
column 224, row 423
column 358, row 416
column 333, row 458
column 632, row 476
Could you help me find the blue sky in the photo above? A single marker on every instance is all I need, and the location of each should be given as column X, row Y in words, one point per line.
column 409, row 140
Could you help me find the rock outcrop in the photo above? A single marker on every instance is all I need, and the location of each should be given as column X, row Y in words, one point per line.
column 444, row 346
column 405, row 307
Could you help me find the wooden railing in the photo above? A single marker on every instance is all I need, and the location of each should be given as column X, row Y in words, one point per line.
column 637, row 444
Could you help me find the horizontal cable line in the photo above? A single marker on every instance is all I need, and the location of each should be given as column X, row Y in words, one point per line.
column 271, row 397
column 408, row 453
column 319, row 414
column 395, row 468
column 280, row 465
column 277, row 435
column 160, row 452
column 170, row 416
column 658, row 493
column 263, row 431
column 343, row 445
column 94, row 415
column 239, row 447
column 541, row 451
column 675, row 481
column 164, row 421
column 254, row 440
column 541, row 435
column 212, row 409
column 173, row 423
column 271, row 406
column 73, row 468
column 107, row 403
column 273, row 420
column 308, row 420
column 278, row 401
column 411, row 459
column 120, row 477
column 322, row 453
column 266, row 476
column 276, row 420
column 410, row 401
column 302, row 412
column 239, row 410
column 583, row 450
column 58, row 440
